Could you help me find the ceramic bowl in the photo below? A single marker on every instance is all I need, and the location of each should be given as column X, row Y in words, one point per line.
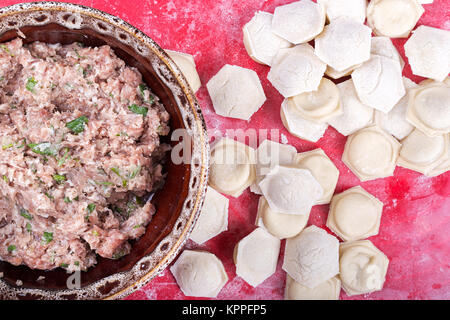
column 177, row 204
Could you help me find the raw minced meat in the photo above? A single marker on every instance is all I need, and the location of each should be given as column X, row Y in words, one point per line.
column 80, row 154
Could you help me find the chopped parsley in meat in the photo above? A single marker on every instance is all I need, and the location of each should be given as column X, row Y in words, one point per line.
column 77, row 125
column 138, row 110
column 31, row 84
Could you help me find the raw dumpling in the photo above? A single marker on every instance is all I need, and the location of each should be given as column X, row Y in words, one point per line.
column 280, row 225
column 356, row 114
column 322, row 168
column 428, row 52
column 383, row 46
column 394, row 122
column 393, row 18
column 429, row 108
column 312, row 257
column 232, row 167
column 236, row 92
column 328, row 290
column 319, row 105
column 353, row 9
column 363, row 267
column 355, row 214
column 199, row 274
column 291, row 190
column 378, row 83
column 298, row 22
column 213, row 218
column 187, row 66
column 296, row 70
column 269, row 154
column 256, row 256
column 333, row 73
column 422, row 153
column 299, row 126
column 260, row 42
column 371, row 153
column 343, row 43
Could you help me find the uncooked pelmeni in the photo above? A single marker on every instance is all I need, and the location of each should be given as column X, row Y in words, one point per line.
column 429, row 108
column 443, row 165
column 322, row 168
column 232, row 167
column 378, row 83
column 213, row 218
column 371, row 153
column 256, row 256
column 422, row 153
column 299, row 126
column 355, row 214
column 353, row 9
column 393, row 18
column 236, row 92
column 383, row 46
column 187, row 66
column 280, row 225
column 356, row 115
column 333, row 73
column 319, row 105
column 298, row 22
column 427, row 51
column 394, row 122
column 363, row 267
column 328, row 290
column 291, row 190
column 312, row 257
column 343, row 44
column 296, row 70
column 199, row 274
column 259, row 40
column 269, row 154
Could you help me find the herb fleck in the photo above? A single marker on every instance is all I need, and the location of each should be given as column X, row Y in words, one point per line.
column 31, row 84
column 138, row 110
column 77, row 125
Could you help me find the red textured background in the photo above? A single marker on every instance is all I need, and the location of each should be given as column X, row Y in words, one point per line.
column 415, row 225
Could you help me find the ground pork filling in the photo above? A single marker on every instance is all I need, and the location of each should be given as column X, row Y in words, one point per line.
column 80, row 154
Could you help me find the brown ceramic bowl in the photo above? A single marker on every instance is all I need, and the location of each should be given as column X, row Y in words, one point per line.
column 177, row 204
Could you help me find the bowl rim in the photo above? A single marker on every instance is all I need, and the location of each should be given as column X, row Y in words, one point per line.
column 199, row 124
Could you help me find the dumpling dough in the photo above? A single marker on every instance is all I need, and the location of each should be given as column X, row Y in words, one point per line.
column 260, row 42
column 394, row 122
column 312, row 257
column 343, row 44
column 187, row 66
column 256, row 256
column 319, row 105
column 199, row 274
column 333, row 73
column 363, row 267
column 298, row 22
column 291, row 190
column 427, row 51
column 269, row 154
column 355, row 214
column 328, row 290
column 378, row 83
column 236, row 92
column 296, row 70
column 393, row 18
column 356, row 114
column 232, row 167
column 322, row 168
column 280, row 225
column 383, row 46
column 422, row 153
column 353, row 9
column 213, row 218
column 371, row 153
column 442, row 166
column 429, row 108
column 299, row 126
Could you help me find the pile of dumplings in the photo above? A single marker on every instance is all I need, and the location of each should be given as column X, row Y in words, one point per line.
column 389, row 120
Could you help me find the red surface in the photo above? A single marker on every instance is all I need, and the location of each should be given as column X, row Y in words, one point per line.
column 415, row 225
